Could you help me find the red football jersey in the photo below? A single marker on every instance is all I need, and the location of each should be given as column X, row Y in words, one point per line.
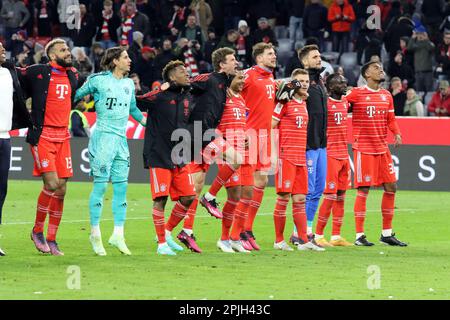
column 259, row 95
column 373, row 114
column 232, row 123
column 337, row 129
column 58, row 104
column 292, row 126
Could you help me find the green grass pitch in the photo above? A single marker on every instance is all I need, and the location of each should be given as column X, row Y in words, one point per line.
column 420, row 271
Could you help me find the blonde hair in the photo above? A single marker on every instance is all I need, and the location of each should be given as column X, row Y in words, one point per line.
column 51, row 44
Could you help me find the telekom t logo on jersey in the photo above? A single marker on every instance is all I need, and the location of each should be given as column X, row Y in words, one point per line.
column 370, row 111
column 270, row 90
column 62, row 90
column 237, row 113
column 338, row 117
column 299, row 121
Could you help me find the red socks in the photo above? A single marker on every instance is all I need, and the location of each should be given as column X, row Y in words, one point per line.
column 42, row 209
column 338, row 215
column 178, row 213
column 225, row 173
column 189, row 221
column 55, row 211
column 299, row 213
column 227, row 220
column 324, row 212
column 240, row 216
column 158, row 221
column 387, row 209
column 279, row 219
column 258, row 194
column 360, row 210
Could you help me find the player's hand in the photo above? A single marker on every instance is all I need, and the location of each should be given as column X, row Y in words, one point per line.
column 229, row 94
column 165, row 86
column 144, row 121
column 398, row 140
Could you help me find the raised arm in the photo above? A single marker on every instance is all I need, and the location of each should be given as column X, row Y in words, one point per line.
column 87, row 88
column 135, row 112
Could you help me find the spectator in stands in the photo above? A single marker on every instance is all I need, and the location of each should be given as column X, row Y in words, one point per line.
column 44, row 10
column 139, row 89
column 190, row 54
column 163, row 58
column 26, row 57
column 192, row 31
column 65, row 15
column 399, row 95
column 398, row 68
column 244, row 45
column 364, row 36
column 408, row 56
column 432, row 12
column 83, row 36
column 259, row 9
column 15, row 15
column 440, row 102
column 443, row 57
column 264, row 33
column 145, row 66
column 82, row 62
column 402, row 27
column 233, row 12
column 315, row 21
column 107, row 25
column 413, row 105
column 78, row 124
column 97, row 53
column 296, row 9
column 374, row 47
column 17, row 41
column 341, row 16
column 203, row 14
column 134, row 21
column 179, row 19
column 293, row 62
column 135, row 48
column 339, row 70
column 423, row 50
column 229, row 40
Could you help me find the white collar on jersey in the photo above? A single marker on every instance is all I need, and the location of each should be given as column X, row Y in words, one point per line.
column 367, row 87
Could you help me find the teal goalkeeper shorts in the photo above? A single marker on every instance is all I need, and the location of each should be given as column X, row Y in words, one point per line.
column 109, row 157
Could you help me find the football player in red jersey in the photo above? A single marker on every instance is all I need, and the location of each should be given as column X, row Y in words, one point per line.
column 259, row 95
column 291, row 178
column 338, row 165
column 373, row 115
column 52, row 88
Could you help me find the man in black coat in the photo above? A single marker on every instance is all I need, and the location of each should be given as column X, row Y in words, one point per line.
column 107, row 24
column 14, row 115
column 168, row 110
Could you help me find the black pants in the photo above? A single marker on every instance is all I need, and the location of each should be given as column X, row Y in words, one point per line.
column 5, row 159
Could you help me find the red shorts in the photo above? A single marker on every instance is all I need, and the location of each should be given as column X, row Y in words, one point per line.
column 373, row 169
column 174, row 182
column 235, row 179
column 52, row 157
column 338, row 175
column 258, row 152
column 291, row 178
column 198, row 167
column 214, row 150
column 247, row 171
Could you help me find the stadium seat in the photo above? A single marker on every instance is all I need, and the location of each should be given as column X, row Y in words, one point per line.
column 281, row 32
column 331, row 56
column 348, row 60
column 284, row 51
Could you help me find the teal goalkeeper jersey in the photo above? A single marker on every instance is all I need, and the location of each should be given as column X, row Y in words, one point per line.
column 114, row 101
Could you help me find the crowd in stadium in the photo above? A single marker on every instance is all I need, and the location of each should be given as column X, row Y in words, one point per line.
column 412, row 40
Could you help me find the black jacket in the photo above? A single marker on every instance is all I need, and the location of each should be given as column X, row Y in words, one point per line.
column 21, row 116
column 167, row 111
column 210, row 94
column 35, row 80
column 317, row 111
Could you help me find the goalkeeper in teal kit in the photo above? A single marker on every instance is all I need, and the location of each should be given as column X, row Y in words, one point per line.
column 109, row 156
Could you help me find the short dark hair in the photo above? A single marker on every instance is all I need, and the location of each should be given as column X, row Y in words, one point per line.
column 172, row 65
column 303, row 52
column 107, row 62
column 259, row 48
column 366, row 66
column 330, row 78
column 220, row 56
column 49, row 47
column 134, row 75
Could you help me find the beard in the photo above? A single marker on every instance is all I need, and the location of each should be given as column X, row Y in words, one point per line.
column 63, row 63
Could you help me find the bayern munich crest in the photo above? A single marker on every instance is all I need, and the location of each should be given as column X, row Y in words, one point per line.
column 287, row 184
column 331, row 185
column 367, row 178
column 44, row 163
column 163, row 187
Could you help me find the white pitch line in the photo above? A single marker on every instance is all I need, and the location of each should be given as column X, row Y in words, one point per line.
column 149, row 217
